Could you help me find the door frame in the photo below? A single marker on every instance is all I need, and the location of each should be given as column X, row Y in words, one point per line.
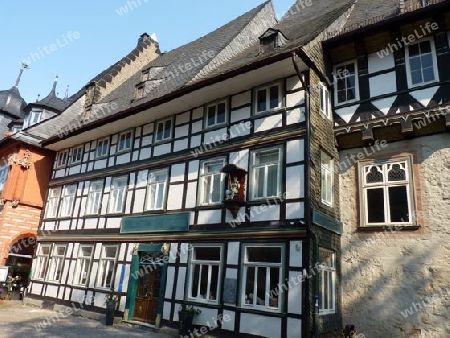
column 132, row 282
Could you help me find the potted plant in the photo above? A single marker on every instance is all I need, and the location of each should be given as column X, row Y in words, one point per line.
column 111, row 303
column 186, row 315
column 10, row 283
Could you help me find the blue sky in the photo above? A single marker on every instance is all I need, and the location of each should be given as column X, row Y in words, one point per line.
column 78, row 39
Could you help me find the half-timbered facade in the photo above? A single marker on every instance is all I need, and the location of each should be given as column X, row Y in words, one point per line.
column 392, row 121
column 215, row 187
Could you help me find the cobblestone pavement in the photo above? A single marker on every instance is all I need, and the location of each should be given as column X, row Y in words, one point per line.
column 17, row 320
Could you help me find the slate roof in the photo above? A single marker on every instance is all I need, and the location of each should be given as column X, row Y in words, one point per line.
column 11, row 102
column 52, row 101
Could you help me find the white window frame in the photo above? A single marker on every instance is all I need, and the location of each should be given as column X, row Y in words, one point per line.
column 208, row 264
column 104, row 152
column 206, row 200
column 94, row 198
column 51, row 208
column 116, row 188
column 254, row 166
column 163, row 122
column 56, row 268
column 4, row 170
column 62, row 158
column 42, row 262
column 325, row 100
column 326, row 179
column 76, row 155
column 67, row 201
column 408, row 65
column 339, row 76
column 83, row 268
column 154, row 185
column 33, row 115
column 104, row 265
column 246, row 302
column 408, row 182
column 266, row 88
column 327, row 273
column 121, row 147
column 215, row 105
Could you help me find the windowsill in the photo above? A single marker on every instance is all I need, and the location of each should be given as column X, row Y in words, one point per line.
column 388, row 228
column 167, row 140
column 327, row 313
column 269, row 112
column 102, row 157
column 210, row 206
column 345, row 103
column 123, row 151
column 265, row 200
column 90, row 216
column 418, row 85
column 156, row 212
column 63, row 218
column 203, row 301
column 72, row 164
column 260, row 310
column 215, row 126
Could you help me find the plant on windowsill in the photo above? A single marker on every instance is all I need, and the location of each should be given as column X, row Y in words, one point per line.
column 111, row 303
column 186, row 315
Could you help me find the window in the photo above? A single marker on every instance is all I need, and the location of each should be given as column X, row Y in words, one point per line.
column 102, row 148
column 68, row 197
column 266, row 173
column 211, row 185
column 124, row 141
column 262, row 274
column 268, row 98
column 346, row 82
column 51, row 209
column 387, row 197
column 216, row 114
column 83, row 264
column 32, row 118
column 57, row 263
column 94, row 198
column 421, row 61
column 77, row 155
column 205, row 273
column 42, row 258
column 4, row 169
column 156, row 190
column 163, row 130
column 117, row 194
column 326, row 178
column 106, row 267
column 327, row 281
column 61, row 158
column 325, row 102
column 16, row 129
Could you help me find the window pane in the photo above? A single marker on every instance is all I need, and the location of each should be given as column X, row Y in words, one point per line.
column 274, row 285
column 274, row 97
column 215, row 194
column 267, row 157
column 159, row 132
column 261, row 286
column 160, row 196
column 415, row 63
column 375, row 205
column 221, row 113
column 207, row 254
column 425, row 47
column 428, row 74
column 195, row 280
column 398, row 204
column 249, row 285
column 416, row 77
column 110, row 252
column 414, row 50
column 264, row 254
column 211, row 115
column 204, row 281
column 214, row 282
column 261, row 100
column 259, row 182
column 272, row 181
column 167, row 129
column 396, row 172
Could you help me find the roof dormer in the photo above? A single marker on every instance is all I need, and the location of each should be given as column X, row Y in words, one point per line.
column 271, row 40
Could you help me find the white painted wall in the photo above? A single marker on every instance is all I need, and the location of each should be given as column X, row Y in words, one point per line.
column 269, row 327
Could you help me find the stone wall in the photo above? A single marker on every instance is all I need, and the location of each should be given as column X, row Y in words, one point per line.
column 387, row 272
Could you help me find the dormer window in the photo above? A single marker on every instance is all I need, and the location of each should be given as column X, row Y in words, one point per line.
column 271, row 40
column 32, row 118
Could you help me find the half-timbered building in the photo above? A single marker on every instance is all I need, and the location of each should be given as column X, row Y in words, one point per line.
column 202, row 176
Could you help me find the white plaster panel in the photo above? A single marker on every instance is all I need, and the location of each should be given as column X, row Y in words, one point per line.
column 216, row 136
column 197, row 113
column 60, row 173
column 177, row 172
column 424, row 96
column 139, row 200
column 240, row 129
column 148, row 128
column 233, row 253
column 184, row 252
column 173, row 252
column 180, row 144
column 113, row 222
column 161, row 149
column 264, row 213
column 241, row 114
column 83, row 167
column 260, row 325
column 241, row 99
column 295, row 181
column 175, row 197
column 104, row 203
column 191, row 217
column 182, row 131
column 128, row 202
column 191, row 200
column 124, row 158
column 382, row 84
column 196, row 141
column 135, row 155
column 166, row 310
column 93, row 274
column 170, row 281
column 235, row 222
column 179, row 294
column 295, row 150
column 87, row 184
column 64, row 225
column 182, row 118
column 267, row 123
column 296, row 115
column 52, row 291
column 197, row 126
column 145, row 153
column 377, row 63
column 77, row 206
column 295, row 99
column 293, row 83
column 205, row 317
column 193, row 170
column 114, row 139
column 75, row 170
column 142, row 179
column 90, row 223
column 209, row 216
column 88, row 298
column 112, row 150
column 87, row 147
column 132, row 180
column 137, row 131
column 295, row 210
column 231, row 273
column 146, row 140
column 295, row 254
column 100, row 164
column 295, row 292
column 229, row 318
column 294, row 328
column 90, row 166
column 240, row 159
column 100, row 299
column 101, row 222
column 36, row 289
column 77, row 296
column 346, row 113
column 122, row 303
column 384, row 104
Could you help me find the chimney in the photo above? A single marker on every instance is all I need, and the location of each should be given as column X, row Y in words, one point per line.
column 143, row 37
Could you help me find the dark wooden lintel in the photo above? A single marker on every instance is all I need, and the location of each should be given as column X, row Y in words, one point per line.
column 407, row 128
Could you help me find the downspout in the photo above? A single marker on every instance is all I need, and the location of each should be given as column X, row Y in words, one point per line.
column 312, row 237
